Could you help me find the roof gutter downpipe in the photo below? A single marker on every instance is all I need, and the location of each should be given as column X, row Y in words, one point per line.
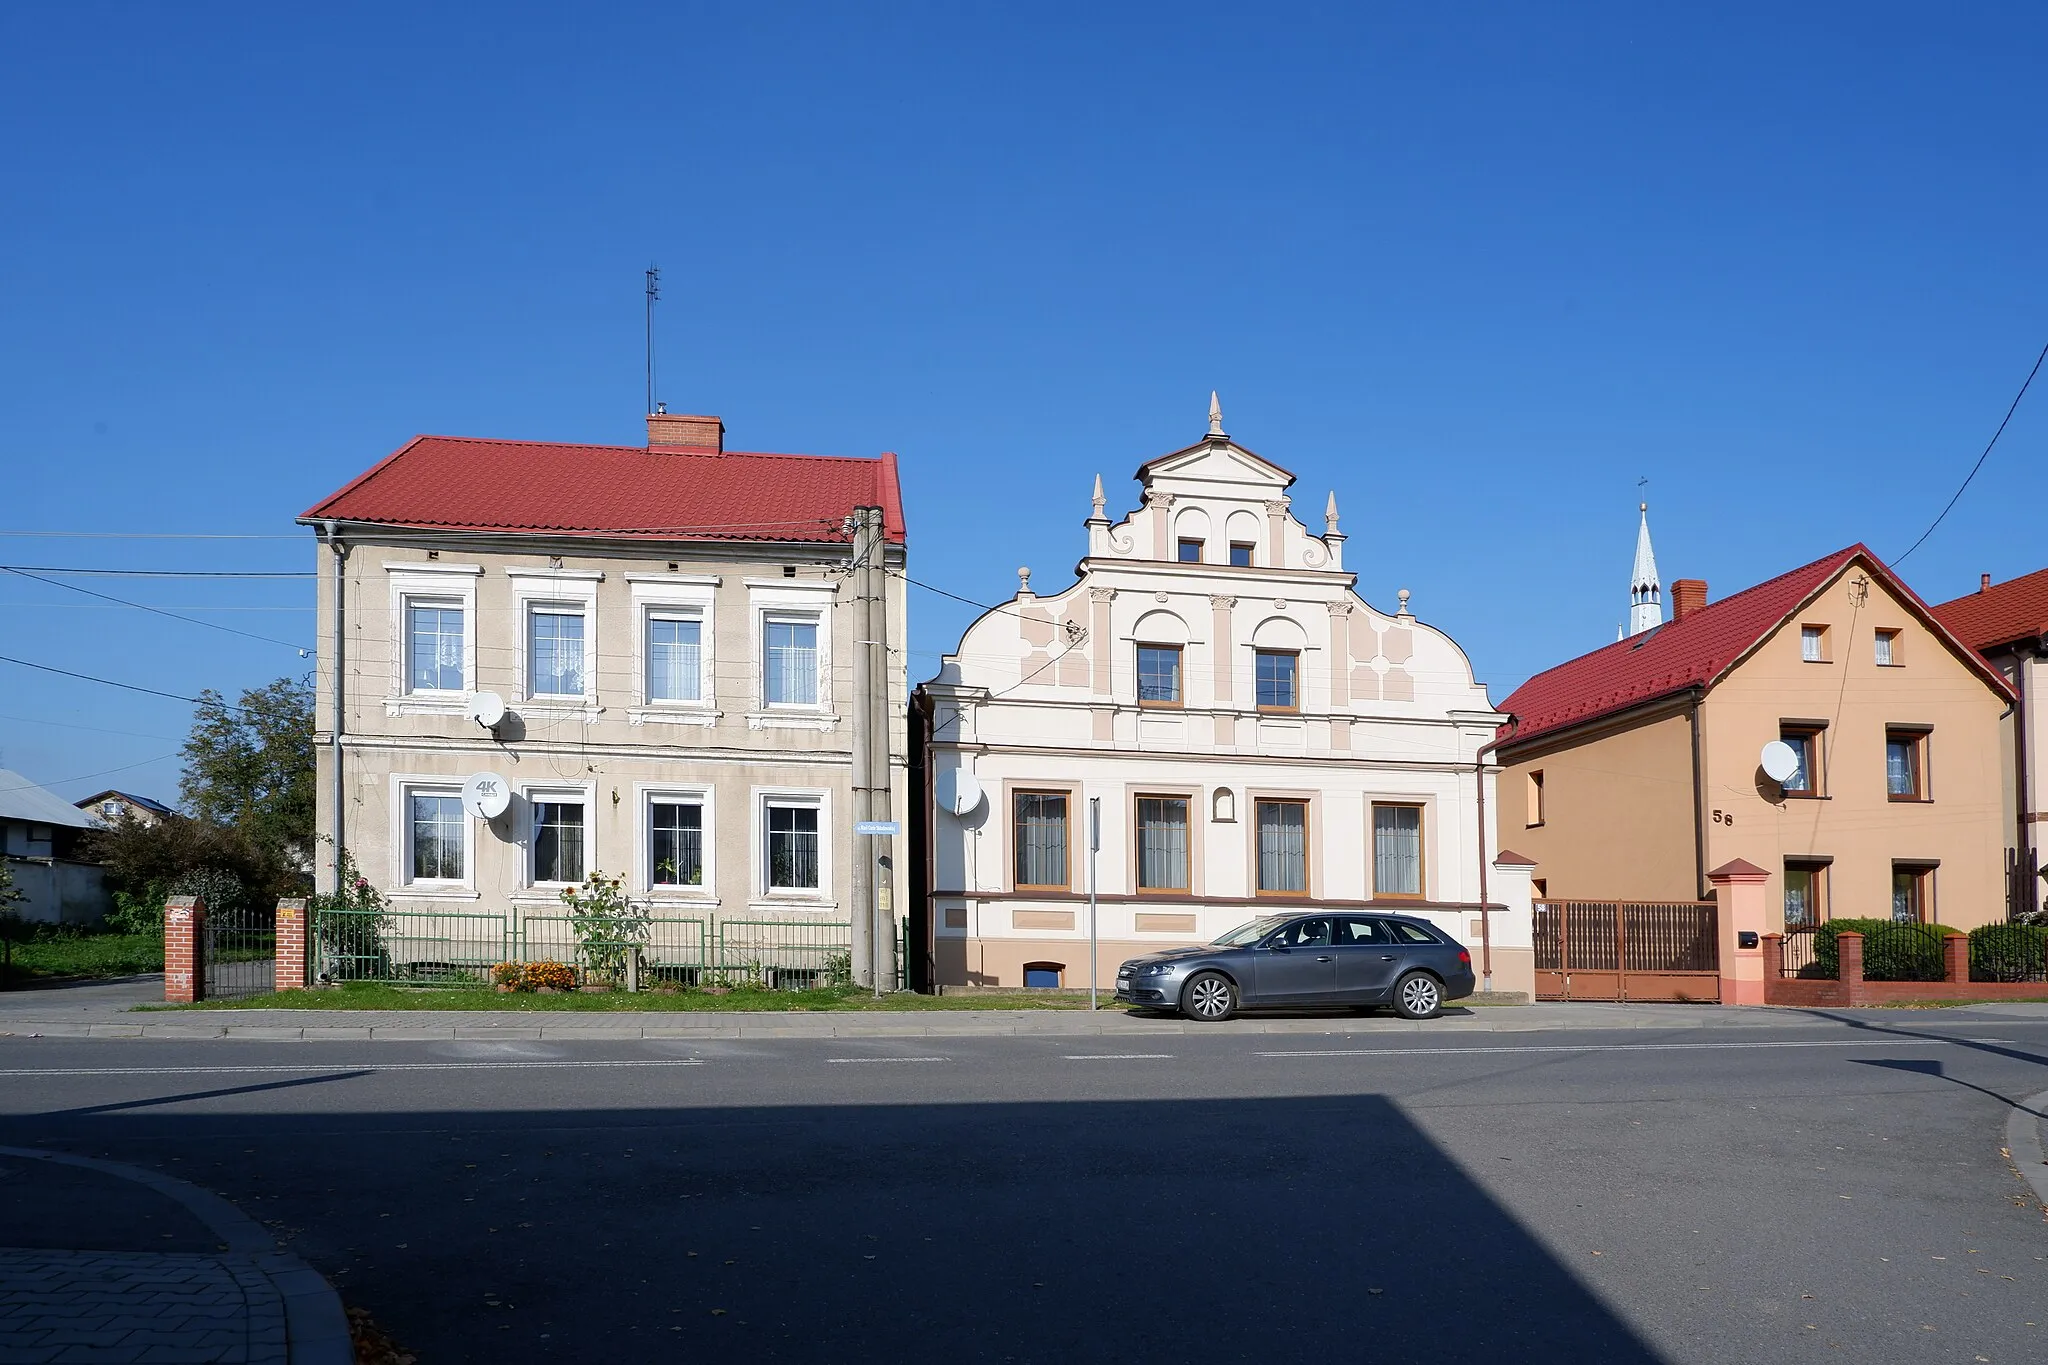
column 1485, row 909
column 1699, row 813
column 332, row 532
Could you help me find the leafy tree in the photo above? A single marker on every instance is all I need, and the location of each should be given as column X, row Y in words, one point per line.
column 249, row 767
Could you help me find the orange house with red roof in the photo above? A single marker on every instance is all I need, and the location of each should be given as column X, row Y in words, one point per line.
column 1633, row 771
column 649, row 649
column 2008, row 624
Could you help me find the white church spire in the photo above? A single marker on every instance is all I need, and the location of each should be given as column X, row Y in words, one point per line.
column 1645, row 593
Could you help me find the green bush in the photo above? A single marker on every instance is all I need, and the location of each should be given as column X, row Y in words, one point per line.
column 1891, row 951
column 2009, row 952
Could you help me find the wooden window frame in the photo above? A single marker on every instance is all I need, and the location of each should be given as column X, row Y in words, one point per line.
column 1894, row 639
column 1821, row 632
column 1533, row 814
column 1421, row 892
column 1922, row 871
column 1251, row 551
column 1294, row 654
column 1138, row 848
column 1308, row 834
column 1918, row 737
column 1814, row 732
column 1180, row 677
column 1066, row 795
column 1817, row 869
column 1180, row 549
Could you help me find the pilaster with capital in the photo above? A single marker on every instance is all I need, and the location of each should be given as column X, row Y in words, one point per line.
column 1222, row 655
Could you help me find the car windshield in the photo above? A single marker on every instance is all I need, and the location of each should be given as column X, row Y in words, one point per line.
column 1251, row 933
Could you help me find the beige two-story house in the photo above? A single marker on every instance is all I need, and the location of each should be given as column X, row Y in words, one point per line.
column 1632, row 772
column 670, row 635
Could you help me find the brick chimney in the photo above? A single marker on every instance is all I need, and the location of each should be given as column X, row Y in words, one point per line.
column 1983, row 582
column 1688, row 595
column 676, row 431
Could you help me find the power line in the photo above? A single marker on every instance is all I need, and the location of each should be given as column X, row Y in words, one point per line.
column 159, row 611
column 158, row 573
column 1981, row 458
column 104, row 772
column 147, row 535
column 127, row 687
column 96, row 729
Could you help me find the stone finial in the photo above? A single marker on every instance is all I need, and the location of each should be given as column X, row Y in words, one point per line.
column 1023, row 581
column 1330, row 515
column 1099, row 501
column 1215, row 414
column 1402, row 596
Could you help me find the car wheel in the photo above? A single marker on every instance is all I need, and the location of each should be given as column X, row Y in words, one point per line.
column 1418, row 995
column 1209, row 998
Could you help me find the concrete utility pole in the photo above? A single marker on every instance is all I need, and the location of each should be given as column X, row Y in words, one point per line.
column 859, row 913
column 881, row 715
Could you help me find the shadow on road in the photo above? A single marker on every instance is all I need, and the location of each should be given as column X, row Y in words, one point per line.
column 1298, row 1229
column 1927, row 1067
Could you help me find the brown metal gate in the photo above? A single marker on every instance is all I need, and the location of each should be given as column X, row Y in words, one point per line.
column 1627, row 950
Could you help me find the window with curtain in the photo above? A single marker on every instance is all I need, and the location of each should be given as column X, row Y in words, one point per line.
column 1805, row 744
column 440, row 834
column 1162, row 843
column 554, row 652
column 1802, row 896
column 1397, row 850
column 792, row 848
column 1159, row 675
column 1902, row 765
column 1275, row 680
column 1909, row 894
column 557, row 841
column 674, row 657
column 1040, row 826
column 1887, row 649
column 1813, row 644
column 433, row 646
column 675, row 843
column 1283, row 848
column 790, row 656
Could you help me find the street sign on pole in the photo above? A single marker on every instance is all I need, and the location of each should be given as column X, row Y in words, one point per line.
column 885, row 828
column 1094, row 846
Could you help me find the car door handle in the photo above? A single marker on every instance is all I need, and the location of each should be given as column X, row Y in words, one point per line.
column 1326, row 958
column 1387, row 957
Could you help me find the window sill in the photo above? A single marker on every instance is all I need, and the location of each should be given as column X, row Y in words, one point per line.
column 792, row 720
column 429, row 894
column 1162, row 706
column 1897, row 800
column 674, row 898
column 1807, row 796
column 816, row 906
column 560, row 708
column 672, row 715
column 1533, row 824
column 428, row 704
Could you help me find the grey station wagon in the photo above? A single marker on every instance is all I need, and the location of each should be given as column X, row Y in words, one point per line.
column 1341, row 958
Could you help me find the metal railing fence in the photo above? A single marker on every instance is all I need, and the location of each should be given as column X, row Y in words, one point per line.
column 1801, row 959
column 2009, row 952
column 459, row 947
column 240, row 953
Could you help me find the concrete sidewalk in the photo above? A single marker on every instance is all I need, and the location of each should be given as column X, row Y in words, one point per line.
column 114, row 1263
column 439, row 1025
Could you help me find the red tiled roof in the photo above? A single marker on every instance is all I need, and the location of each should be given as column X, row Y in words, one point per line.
column 2016, row 609
column 1695, row 652
column 621, row 492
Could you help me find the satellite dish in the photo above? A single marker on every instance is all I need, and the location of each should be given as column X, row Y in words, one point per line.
column 958, row 791
column 1780, row 760
column 486, row 709
column 485, row 795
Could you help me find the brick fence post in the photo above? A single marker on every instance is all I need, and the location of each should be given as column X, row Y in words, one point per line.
column 1739, row 902
column 1774, row 960
column 291, row 944
column 1955, row 958
column 1849, row 957
column 184, row 950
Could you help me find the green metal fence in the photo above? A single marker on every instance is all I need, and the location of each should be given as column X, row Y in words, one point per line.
column 459, row 947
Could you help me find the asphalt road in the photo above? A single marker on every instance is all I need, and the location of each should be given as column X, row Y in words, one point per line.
column 1822, row 1193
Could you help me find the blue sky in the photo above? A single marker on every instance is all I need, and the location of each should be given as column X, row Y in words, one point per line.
column 1478, row 268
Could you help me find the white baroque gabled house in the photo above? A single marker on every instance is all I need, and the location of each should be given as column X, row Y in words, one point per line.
column 1258, row 738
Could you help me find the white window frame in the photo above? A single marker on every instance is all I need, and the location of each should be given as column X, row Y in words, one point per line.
column 784, row 600
column 693, row 595
column 405, row 786
column 429, row 582
column 817, row 798
column 645, row 794
column 538, row 590
column 585, row 792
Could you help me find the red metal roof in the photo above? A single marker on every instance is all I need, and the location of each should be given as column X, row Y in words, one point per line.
column 1697, row 651
column 465, row 483
column 2016, row 609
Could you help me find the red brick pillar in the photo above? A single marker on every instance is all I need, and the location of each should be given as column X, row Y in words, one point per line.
column 1955, row 958
column 1774, row 961
column 1739, row 899
column 184, row 950
column 291, row 945
column 1849, row 970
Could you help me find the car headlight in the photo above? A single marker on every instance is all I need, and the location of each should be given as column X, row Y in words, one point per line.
column 1155, row 969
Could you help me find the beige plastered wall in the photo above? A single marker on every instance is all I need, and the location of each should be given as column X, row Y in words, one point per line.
column 1855, row 823
column 1617, row 808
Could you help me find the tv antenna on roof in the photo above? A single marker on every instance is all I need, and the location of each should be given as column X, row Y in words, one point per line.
column 653, row 293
